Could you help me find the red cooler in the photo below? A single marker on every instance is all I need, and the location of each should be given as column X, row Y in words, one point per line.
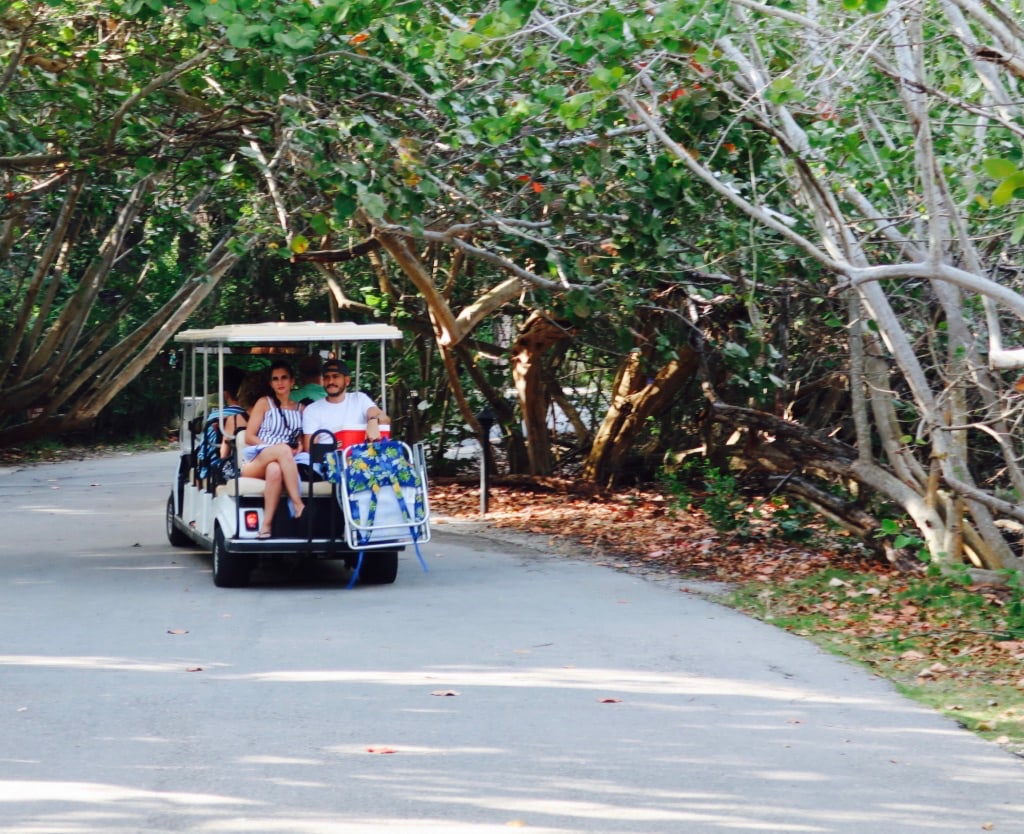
column 351, row 436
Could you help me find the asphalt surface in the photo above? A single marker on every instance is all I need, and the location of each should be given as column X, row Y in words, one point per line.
column 508, row 687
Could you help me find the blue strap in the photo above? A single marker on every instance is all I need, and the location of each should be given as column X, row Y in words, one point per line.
column 355, row 573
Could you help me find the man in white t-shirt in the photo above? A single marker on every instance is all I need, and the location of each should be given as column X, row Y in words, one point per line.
column 341, row 409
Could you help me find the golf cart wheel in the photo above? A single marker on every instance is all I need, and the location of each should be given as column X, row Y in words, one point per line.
column 174, row 535
column 379, row 568
column 229, row 571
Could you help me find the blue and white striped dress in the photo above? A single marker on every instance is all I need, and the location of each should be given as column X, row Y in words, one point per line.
column 279, row 425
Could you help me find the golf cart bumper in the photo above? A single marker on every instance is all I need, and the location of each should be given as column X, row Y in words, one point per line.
column 319, row 548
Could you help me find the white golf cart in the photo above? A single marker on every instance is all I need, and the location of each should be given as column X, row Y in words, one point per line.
column 347, row 518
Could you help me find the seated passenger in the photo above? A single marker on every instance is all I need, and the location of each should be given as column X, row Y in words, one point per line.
column 215, row 458
column 311, row 378
column 341, row 409
column 273, row 433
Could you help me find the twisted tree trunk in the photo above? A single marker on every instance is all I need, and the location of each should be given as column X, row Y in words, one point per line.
column 538, row 334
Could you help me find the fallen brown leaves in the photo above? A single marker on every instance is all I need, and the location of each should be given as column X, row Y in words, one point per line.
column 642, row 527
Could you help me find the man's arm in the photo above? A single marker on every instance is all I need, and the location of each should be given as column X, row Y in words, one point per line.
column 308, row 428
column 375, row 418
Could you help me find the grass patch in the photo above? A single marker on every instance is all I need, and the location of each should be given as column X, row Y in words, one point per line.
column 955, row 647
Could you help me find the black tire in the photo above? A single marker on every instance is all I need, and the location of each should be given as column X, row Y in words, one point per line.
column 379, row 567
column 229, row 571
column 174, row 535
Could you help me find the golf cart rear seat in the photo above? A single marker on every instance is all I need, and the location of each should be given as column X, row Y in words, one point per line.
column 245, row 486
column 254, row 486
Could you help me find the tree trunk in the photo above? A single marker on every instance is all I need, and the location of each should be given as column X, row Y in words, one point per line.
column 635, row 397
column 538, row 334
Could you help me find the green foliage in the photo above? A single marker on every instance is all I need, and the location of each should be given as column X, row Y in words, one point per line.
column 723, row 504
column 144, row 409
column 701, row 484
column 676, row 480
column 791, row 519
column 901, row 540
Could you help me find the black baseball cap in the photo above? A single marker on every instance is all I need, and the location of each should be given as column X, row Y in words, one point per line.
column 336, row 366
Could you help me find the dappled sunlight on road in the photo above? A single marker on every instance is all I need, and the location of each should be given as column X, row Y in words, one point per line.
column 307, row 824
column 109, row 664
column 99, row 793
column 421, row 759
column 554, row 806
column 416, row 750
column 621, row 681
column 278, row 760
column 50, row 509
column 114, row 808
column 681, row 810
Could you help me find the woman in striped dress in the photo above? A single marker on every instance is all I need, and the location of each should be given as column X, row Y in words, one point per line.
column 275, row 425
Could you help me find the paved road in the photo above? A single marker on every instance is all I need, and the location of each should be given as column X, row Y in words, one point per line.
column 515, row 689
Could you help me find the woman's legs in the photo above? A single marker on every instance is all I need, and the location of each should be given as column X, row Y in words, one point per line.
column 271, row 496
column 276, row 465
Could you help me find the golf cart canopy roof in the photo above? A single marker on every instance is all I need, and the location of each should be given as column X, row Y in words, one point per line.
column 290, row 331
